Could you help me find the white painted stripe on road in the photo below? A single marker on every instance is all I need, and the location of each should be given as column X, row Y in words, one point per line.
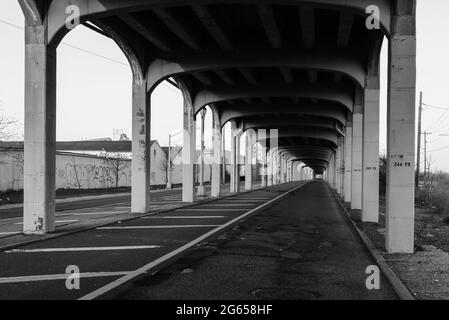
column 209, row 210
column 96, row 213
column 100, row 291
column 230, row 204
column 49, row 277
column 161, row 227
column 186, row 217
column 57, row 221
column 8, row 233
column 82, row 249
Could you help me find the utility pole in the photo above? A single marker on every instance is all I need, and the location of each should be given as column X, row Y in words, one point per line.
column 418, row 153
column 425, row 155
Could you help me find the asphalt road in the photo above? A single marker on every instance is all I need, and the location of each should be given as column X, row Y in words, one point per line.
column 108, row 254
column 81, row 204
column 300, row 249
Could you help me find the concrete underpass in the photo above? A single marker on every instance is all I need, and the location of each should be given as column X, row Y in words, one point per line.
column 296, row 248
column 297, row 82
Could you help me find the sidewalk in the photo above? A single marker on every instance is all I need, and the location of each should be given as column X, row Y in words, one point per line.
column 426, row 272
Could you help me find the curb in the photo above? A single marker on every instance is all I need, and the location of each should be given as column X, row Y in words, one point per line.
column 134, row 217
column 398, row 286
column 84, row 198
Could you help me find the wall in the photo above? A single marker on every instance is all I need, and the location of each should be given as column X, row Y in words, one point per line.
column 75, row 171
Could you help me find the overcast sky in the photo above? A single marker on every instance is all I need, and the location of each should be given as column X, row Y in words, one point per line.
column 94, row 90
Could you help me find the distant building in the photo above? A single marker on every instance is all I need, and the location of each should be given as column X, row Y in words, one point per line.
column 79, row 165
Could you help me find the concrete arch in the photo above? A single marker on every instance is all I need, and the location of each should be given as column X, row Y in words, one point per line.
column 342, row 96
column 308, row 133
column 31, row 12
column 92, row 8
column 338, row 62
column 320, row 110
column 137, row 69
column 278, row 123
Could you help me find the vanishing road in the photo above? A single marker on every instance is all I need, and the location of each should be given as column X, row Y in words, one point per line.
column 299, row 246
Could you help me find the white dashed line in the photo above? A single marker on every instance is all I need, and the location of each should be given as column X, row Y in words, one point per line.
column 186, row 217
column 81, row 249
column 161, row 227
column 208, row 210
column 50, row 277
column 58, row 221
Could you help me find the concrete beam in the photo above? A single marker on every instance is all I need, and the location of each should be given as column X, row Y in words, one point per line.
column 175, row 26
column 319, row 110
column 212, row 27
column 91, row 9
column 287, row 74
column 307, row 20
column 148, row 34
column 338, row 94
column 345, row 29
column 249, row 76
column 270, row 25
column 339, row 61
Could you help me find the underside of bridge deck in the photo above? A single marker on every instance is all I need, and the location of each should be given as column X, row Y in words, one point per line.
column 301, row 78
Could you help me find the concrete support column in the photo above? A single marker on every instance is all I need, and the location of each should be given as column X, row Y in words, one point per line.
column 201, row 192
column 370, row 179
column 141, row 147
column 233, row 157
column 40, row 133
column 249, row 160
column 188, row 150
column 348, row 163
column 237, row 161
column 338, row 167
column 400, row 208
column 334, row 170
column 270, row 164
column 262, row 136
column 274, row 143
column 223, row 135
column 357, row 150
column 216, row 164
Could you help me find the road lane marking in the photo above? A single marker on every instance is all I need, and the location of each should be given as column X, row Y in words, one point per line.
column 96, row 213
column 186, row 217
column 208, row 210
column 161, row 227
column 230, row 204
column 114, row 284
column 82, row 249
column 8, row 233
column 49, row 277
column 57, row 221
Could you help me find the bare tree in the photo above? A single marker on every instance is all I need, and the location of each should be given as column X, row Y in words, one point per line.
column 165, row 164
column 117, row 161
column 6, row 128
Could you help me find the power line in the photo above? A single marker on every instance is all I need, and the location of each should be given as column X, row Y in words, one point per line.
column 440, row 149
column 436, row 107
column 170, row 86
